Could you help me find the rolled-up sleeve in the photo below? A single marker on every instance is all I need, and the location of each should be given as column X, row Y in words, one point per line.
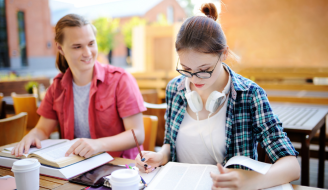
column 129, row 98
column 268, row 128
column 46, row 107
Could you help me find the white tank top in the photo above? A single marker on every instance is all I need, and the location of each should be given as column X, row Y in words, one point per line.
column 190, row 146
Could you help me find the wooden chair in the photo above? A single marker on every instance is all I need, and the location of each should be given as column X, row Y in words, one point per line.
column 13, row 129
column 152, row 80
column 159, row 111
column 26, row 103
column 1, row 109
column 150, row 125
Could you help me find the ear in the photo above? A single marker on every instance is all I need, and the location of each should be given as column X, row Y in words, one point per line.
column 59, row 48
column 225, row 54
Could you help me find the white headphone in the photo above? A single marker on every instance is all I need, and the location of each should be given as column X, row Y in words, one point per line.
column 214, row 100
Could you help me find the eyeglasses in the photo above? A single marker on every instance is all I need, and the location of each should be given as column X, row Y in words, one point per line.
column 199, row 74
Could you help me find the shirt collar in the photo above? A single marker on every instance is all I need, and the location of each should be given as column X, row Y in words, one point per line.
column 98, row 74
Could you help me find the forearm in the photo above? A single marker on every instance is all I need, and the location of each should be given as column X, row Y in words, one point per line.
column 38, row 133
column 166, row 152
column 285, row 170
column 122, row 141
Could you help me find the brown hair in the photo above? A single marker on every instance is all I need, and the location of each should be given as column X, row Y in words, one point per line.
column 70, row 20
column 203, row 34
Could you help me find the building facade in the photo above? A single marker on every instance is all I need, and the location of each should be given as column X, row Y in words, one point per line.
column 26, row 36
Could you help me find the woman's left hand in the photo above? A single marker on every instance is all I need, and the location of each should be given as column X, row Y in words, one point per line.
column 233, row 179
column 85, row 147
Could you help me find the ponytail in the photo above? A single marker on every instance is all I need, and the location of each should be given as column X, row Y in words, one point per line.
column 61, row 63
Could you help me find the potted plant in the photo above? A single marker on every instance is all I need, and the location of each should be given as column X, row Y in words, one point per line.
column 29, row 86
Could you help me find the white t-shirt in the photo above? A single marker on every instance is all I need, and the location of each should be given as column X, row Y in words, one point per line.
column 190, row 145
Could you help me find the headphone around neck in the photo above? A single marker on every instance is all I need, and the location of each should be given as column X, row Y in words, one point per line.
column 214, row 100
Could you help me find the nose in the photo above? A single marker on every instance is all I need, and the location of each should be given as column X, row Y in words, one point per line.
column 195, row 79
column 86, row 52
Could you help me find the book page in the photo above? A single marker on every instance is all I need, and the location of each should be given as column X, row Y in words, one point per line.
column 183, row 176
column 255, row 165
column 286, row 186
column 44, row 144
column 176, row 176
column 56, row 153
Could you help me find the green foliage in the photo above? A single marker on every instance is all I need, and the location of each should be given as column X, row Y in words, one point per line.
column 188, row 6
column 128, row 27
column 29, row 86
column 107, row 29
column 8, row 76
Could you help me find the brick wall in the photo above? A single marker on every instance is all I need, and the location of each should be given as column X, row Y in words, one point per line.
column 38, row 30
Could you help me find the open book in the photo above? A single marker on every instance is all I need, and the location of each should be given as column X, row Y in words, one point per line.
column 52, row 153
column 176, row 175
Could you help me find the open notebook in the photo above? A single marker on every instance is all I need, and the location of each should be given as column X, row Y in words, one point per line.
column 197, row 176
column 51, row 154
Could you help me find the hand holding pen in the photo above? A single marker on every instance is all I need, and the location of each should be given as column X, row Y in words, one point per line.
column 147, row 161
column 152, row 160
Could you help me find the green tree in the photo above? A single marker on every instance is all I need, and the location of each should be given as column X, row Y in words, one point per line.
column 128, row 27
column 107, row 29
column 188, row 6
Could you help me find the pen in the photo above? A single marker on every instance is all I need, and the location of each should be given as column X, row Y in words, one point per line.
column 135, row 138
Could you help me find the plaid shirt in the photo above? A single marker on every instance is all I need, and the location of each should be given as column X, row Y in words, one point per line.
column 249, row 119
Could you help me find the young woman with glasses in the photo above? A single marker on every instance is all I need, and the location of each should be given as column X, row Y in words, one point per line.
column 214, row 114
column 97, row 103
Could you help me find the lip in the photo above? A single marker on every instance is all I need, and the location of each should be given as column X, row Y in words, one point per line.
column 86, row 61
column 199, row 85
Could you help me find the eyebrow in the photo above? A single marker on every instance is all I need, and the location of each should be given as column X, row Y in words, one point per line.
column 198, row 67
column 80, row 44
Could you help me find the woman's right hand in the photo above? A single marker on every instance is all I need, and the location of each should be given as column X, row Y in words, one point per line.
column 23, row 146
column 152, row 160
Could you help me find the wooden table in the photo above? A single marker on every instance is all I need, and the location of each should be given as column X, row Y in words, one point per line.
column 58, row 184
column 301, row 122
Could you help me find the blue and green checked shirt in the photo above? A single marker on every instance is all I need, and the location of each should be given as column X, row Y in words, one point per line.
column 249, row 120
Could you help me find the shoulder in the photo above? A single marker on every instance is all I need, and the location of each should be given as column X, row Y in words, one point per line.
column 175, row 82
column 58, row 78
column 174, row 85
column 111, row 70
column 112, row 74
column 245, row 85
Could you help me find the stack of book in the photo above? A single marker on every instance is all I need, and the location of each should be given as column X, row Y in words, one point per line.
column 53, row 161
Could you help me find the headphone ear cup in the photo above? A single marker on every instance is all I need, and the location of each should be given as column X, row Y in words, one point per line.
column 194, row 101
column 214, row 100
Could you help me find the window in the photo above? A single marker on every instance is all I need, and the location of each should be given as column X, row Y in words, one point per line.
column 4, row 55
column 170, row 14
column 22, row 37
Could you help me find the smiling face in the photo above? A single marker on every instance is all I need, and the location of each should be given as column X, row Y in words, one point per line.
column 194, row 61
column 79, row 48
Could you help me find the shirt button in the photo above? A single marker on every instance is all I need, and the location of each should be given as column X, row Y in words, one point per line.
column 101, row 107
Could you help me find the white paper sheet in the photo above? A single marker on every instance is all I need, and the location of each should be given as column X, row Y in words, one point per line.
column 44, row 144
column 56, row 153
column 286, row 186
column 177, row 176
column 255, row 165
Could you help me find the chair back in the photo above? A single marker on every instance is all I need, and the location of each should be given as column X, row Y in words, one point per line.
column 150, row 126
column 159, row 111
column 12, row 129
column 1, row 109
column 26, row 103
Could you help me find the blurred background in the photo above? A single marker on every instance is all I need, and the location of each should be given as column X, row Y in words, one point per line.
column 282, row 46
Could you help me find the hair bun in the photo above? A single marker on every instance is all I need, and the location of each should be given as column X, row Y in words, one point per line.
column 209, row 10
